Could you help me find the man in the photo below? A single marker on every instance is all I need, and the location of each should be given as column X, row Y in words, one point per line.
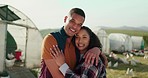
column 72, row 24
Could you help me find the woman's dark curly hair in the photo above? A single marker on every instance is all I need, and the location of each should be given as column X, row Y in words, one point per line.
column 94, row 40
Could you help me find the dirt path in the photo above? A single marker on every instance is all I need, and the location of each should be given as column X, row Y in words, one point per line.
column 20, row 72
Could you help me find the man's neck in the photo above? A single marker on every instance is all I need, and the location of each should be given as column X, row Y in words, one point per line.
column 69, row 39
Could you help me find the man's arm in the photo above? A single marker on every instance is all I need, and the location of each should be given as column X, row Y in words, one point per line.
column 93, row 55
column 48, row 43
column 105, row 61
column 53, row 68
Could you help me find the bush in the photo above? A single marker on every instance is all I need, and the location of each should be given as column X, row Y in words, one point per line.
column 4, row 74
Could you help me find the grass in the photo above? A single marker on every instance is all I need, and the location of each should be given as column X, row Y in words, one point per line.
column 140, row 70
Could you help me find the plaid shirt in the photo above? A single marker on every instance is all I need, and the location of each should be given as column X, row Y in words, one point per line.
column 87, row 71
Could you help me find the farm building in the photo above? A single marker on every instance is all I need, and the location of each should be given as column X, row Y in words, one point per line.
column 102, row 35
column 120, row 42
column 17, row 31
column 138, row 42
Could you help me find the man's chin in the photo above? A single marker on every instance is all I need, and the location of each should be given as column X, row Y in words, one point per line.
column 71, row 34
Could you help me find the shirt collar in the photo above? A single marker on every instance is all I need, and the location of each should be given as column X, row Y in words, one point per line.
column 63, row 33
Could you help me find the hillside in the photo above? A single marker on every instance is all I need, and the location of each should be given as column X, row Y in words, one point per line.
column 133, row 31
column 44, row 32
column 140, row 28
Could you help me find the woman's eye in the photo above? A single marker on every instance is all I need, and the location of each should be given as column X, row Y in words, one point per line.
column 84, row 37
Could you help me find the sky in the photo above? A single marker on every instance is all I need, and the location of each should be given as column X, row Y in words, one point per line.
column 111, row 13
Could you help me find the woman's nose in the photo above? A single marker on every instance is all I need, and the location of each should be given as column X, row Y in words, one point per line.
column 80, row 39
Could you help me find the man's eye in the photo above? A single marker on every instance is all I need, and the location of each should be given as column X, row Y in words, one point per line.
column 80, row 25
column 72, row 21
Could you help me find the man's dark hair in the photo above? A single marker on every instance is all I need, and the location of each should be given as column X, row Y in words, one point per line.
column 77, row 11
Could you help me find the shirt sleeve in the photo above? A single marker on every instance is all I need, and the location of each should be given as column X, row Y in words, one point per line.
column 63, row 68
column 47, row 43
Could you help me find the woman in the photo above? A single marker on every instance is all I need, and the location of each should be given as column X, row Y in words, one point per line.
column 85, row 39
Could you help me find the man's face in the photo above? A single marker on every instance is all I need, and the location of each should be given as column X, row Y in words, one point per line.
column 73, row 24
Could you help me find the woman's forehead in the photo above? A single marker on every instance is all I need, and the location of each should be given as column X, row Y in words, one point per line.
column 83, row 32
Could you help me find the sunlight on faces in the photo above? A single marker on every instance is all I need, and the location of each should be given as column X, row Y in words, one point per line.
column 82, row 40
column 73, row 24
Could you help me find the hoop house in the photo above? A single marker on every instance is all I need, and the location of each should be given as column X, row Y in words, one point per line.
column 120, row 42
column 17, row 31
column 103, row 37
column 138, row 42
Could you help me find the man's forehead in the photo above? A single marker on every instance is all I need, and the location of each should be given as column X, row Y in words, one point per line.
column 78, row 19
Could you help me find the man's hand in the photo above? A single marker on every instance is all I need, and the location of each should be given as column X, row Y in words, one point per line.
column 92, row 55
column 105, row 61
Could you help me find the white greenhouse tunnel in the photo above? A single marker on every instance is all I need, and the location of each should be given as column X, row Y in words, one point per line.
column 120, row 42
column 25, row 34
column 103, row 37
column 138, row 42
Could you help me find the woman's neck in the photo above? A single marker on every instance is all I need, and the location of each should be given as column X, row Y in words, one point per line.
column 82, row 51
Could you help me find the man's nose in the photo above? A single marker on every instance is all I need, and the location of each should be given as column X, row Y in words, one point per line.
column 75, row 26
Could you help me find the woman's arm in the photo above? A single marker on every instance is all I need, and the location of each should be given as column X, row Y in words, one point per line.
column 93, row 55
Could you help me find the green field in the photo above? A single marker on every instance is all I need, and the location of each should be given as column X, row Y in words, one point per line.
column 44, row 32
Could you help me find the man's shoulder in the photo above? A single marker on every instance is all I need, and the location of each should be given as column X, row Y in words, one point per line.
column 49, row 37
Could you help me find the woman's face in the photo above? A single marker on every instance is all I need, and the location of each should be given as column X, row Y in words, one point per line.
column 82, row 40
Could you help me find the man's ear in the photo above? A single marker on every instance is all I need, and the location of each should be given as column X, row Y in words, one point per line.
column 65, row 18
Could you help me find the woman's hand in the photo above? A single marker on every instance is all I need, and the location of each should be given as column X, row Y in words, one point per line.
column 57, row 55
